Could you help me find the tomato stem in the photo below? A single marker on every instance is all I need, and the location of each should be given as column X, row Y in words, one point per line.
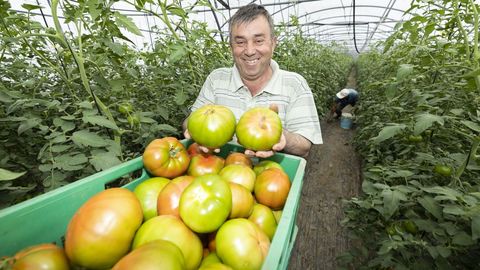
column 470, row 156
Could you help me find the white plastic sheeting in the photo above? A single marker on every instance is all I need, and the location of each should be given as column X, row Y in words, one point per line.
column 353, row 23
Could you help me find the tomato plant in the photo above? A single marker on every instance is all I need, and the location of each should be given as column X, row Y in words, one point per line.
column 166, row 157
column 259, row 129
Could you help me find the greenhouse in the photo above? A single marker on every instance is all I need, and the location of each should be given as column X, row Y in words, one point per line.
column 218, row 134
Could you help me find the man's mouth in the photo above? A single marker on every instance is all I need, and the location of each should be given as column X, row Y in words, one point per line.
column 251, row 62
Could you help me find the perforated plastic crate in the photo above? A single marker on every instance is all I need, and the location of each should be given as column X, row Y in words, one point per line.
column 44, row 219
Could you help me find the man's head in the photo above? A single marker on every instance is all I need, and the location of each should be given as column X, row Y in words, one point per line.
column 343, row 93
column 247, row 14
column 252, row 42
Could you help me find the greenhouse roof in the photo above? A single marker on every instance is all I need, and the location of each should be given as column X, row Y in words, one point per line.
column 353, row 23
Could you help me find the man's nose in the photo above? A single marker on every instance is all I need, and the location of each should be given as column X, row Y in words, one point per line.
column 250, row 48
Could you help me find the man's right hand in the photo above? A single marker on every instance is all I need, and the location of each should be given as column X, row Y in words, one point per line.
column 204, row 149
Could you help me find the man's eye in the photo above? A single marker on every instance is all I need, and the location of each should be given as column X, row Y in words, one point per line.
column 240, row 42
column 260, row 41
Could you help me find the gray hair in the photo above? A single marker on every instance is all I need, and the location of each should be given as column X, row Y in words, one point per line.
column 247, row 14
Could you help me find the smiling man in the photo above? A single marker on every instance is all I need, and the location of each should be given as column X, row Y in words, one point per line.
column 257, row 81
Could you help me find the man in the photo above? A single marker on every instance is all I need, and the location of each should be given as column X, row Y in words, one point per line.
column 257, row 81
column 343, row 98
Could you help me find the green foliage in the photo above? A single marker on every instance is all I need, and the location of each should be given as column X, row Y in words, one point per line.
column 325, row 68
column 80, row 99
column 417, row 86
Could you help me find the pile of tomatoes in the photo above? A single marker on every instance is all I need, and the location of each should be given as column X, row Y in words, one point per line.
column 198, row 211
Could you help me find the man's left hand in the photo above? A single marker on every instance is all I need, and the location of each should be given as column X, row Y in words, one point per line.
column 265, row 154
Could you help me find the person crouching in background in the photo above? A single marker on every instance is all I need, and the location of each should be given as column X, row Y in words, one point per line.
column 342, row 99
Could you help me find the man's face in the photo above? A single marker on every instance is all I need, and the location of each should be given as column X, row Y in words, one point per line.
column 252, row 48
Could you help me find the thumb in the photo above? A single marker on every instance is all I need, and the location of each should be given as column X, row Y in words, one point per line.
column 274, row 107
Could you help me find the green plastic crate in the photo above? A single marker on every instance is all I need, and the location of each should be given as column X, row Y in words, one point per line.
column 44, row 218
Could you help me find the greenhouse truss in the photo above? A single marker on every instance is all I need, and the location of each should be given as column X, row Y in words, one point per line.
column 356, row 24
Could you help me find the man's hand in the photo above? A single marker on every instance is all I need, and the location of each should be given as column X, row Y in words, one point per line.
column 204, row 149
column 265, row 154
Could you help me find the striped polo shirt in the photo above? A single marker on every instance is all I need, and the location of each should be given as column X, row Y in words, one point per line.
column 289, row 90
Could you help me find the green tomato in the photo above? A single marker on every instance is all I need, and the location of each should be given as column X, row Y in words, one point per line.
column 212, row 125
column 125, row 108
column 415, row 138
column 410, row 226
column 206, row 203
column 133, row 119
column 443, row 170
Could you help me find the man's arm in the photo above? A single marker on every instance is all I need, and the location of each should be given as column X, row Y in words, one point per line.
column 296, row 144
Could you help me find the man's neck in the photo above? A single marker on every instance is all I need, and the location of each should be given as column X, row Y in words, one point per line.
column 257, row 85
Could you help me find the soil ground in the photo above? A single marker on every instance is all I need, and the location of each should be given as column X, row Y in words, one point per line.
column 333, row 173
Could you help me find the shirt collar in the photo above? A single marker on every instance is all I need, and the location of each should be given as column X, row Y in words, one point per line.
column 238, row 83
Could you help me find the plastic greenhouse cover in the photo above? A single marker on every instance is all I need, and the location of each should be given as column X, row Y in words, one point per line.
column 326, row 21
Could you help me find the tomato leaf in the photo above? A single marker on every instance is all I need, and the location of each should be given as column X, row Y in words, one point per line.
column 425, row 121
column 431, row 206
column 391, row 199
column 453, row 210
column 449, row 192
column 6, row 175
column 99, row 121
column 102, row 161
column 475, row 227
column 404, row 71
column 28, row 124
column 87, row 138
column 462, row 239
column 472, row 125
column 388, row 132
column 31, row 7
column 127, row 23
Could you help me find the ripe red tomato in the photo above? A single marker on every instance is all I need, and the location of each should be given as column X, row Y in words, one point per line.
column 259, row 129
column 166, row 157
column 151, row 255
column 272, row 187
column 42, row 256
column 169, row 197
column 102, row 229
column 202, row 164
column 194, row 149
column 211, row 125
column 238, row 158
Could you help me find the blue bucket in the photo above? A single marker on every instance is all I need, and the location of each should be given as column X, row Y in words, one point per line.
column 346, row 121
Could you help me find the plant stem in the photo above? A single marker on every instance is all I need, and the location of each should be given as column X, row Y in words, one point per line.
column 81, row 67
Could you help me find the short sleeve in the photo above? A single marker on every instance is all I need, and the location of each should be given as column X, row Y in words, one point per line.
column 302, row 116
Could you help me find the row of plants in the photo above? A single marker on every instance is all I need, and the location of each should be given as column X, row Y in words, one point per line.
column 80, row 99
column 419, row 134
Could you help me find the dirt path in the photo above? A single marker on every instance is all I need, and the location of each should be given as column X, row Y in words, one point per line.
column 333, row 173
